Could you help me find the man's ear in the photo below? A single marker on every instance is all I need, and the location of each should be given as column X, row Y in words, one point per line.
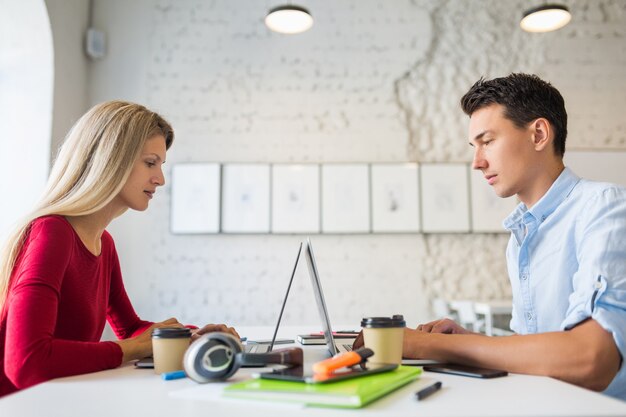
column 542, row 134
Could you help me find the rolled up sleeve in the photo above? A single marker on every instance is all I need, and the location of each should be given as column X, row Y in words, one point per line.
column 600, row 281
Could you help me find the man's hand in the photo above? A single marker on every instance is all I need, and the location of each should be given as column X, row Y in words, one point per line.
column 413, row 338
column 443, row 326
column 213, row 328
column 416, row 341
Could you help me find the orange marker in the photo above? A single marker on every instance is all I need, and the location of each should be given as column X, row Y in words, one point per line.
column 345, row 359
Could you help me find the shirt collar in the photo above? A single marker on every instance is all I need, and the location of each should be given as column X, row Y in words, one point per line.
column 546, row 205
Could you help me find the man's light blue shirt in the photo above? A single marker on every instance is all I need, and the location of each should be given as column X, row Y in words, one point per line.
column 567, row 262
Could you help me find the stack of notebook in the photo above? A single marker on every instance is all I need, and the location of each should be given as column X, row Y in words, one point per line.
column 350, row 393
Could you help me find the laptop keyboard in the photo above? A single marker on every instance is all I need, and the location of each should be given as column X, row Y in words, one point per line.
column 256, row 348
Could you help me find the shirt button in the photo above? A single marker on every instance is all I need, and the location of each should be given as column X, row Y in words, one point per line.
column 524, row 277
column 543, row 218
column 597, row 285
column 529, row 316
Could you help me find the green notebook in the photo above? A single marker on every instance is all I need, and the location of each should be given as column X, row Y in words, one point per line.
column 349, row 393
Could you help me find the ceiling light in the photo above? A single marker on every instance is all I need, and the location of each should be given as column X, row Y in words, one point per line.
column 289, row 19
column 545, row 18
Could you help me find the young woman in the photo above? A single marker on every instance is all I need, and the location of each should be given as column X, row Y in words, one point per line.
column 60, row 276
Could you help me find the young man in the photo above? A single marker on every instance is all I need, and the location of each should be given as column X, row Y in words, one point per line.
column 566, row 256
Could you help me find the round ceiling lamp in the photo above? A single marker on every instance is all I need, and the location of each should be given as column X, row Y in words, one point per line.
column 545, row 18
column 289, row 19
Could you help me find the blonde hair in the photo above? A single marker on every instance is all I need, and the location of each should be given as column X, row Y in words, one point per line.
column 91, row 168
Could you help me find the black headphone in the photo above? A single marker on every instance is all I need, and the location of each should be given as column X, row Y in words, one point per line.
column 217, row 356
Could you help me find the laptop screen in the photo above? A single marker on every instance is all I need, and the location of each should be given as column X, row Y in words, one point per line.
column 319, row 298
column 323, row 311
column 282, row 308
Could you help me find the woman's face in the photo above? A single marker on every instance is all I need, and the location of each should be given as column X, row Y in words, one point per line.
column 146, row 175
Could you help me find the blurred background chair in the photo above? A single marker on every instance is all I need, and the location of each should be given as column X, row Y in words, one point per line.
column 467, row 316
column 441, row 309
column 488, row 317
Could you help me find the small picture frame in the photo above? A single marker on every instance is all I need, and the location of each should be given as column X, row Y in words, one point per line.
column 195, row 202
column 345, row 198
column 445, row 198
column 488, row 210
column 395, row 198
column 245, row 198
column 295, row 198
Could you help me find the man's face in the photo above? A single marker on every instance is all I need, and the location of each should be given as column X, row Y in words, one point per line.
column 503, row 152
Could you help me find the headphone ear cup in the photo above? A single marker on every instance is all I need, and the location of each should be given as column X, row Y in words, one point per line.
column 213, row 356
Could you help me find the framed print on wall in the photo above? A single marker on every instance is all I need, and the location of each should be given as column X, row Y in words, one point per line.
column 488, row 210
column 395, row 198
column 195, row 203
column 295, row 198
column 445, row 199
column 345, row 198
column 245, row 198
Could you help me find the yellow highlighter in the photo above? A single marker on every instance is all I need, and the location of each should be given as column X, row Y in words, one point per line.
column 344, row 359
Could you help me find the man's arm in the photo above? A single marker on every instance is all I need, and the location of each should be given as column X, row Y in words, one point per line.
column 585, row 355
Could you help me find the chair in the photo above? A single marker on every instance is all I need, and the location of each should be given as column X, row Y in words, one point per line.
column 441, row 309
column 467, row 315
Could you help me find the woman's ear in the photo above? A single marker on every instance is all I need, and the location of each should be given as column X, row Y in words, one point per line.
column 542, row 133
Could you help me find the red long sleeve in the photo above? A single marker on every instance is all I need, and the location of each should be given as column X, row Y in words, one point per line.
column 60, row 296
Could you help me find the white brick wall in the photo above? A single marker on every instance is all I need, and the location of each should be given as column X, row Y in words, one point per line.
column 373, row 81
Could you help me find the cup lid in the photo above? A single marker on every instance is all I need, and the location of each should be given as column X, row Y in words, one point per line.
column 397, row 320
column 171, row 332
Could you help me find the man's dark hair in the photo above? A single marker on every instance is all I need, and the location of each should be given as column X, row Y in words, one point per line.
column 525, row 98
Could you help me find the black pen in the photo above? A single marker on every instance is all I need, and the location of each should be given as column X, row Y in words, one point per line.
column 425, row 392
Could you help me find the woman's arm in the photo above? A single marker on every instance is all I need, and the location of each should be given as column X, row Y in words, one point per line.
column 32, row 353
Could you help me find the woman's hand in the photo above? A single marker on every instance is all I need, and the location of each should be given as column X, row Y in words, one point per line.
column 213, row 328
column 358, row 342
column 141, row 346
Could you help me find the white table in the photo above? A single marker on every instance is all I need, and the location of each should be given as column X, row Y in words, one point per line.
column 127, row 391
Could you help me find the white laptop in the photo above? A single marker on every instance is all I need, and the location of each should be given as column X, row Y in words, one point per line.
column 264, row 347
column 334, row 348
column 251, row 346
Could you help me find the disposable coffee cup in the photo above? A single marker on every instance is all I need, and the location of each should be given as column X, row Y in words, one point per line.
column 384, row 335
column 168, row 348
